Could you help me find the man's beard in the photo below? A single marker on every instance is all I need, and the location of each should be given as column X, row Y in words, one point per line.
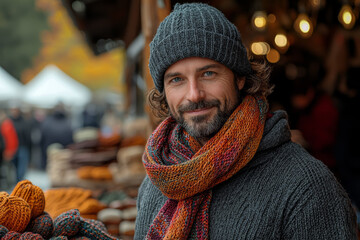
column 203, row 127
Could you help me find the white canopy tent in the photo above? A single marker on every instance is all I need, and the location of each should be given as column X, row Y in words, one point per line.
column 52, row 86
column 10, row 88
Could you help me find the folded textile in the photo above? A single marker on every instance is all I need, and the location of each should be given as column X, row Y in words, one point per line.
column 61, row 200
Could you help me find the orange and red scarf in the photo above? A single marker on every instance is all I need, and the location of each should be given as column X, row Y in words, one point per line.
column 185, row 172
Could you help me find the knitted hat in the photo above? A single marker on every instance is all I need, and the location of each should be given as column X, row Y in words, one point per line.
column 15, row 212
column 59, row 238
column 42, row 225
column 196, row 30
column 94, row 229
column 32, row 194
column 11, row 235
column 67, row 224
column 3, row 231
column 30, row 235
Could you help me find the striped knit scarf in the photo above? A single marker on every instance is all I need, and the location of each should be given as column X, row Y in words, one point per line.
column 185, row 172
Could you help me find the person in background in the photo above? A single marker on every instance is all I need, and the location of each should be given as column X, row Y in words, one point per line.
column 92, row 114
column 56, row 128
column 9, row 147
column 314, row 114
column 21, row 159
column 220, row 165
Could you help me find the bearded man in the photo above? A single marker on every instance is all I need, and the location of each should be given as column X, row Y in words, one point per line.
column 221, row 166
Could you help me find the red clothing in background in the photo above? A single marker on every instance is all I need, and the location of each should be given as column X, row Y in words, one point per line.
column 319, row 127
column 10, row 138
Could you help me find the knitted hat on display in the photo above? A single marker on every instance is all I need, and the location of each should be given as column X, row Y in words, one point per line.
column 96, row 224
column 15, row 212
column 67, row 224
column 42, row 225
column 32, row 194
column 11, row 235
column 3, row 231
column 94, row 229
column 30, row 235
column 196, row 30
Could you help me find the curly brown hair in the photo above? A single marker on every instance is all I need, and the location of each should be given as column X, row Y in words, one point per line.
column 256, row 84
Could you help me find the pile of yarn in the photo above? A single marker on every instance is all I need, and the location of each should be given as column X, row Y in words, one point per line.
column 22, row 216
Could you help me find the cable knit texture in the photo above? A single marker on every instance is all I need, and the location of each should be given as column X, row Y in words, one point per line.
column 11, row 235
column 68, row 223
column 3, row 231
column 196, row 30
column 32, row 194
column 60, row 200
column 42, row 225
column 282, row 193
column 30, row 236
column 15, row 212
column 185, row 172
column 94, row 229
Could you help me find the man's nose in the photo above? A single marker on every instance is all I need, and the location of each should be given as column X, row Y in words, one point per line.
column 195, row 91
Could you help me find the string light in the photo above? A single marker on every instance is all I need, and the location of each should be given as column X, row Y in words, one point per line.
column 271, row 18
column 259, row 20
column 260, row 48
column 273, row 56
column 303, row 25
column 347, row 17
column 281, row 40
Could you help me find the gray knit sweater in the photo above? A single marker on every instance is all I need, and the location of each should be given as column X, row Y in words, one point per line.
column 283, row 193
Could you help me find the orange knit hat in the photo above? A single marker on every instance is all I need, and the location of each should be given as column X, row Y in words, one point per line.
column 32, row 194
column 15, row 212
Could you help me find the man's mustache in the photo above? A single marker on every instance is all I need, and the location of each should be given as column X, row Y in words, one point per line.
column 198, row 105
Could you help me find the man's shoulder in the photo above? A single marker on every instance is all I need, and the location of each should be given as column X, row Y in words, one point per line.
column 294, row 160
column 288, row 166
column 302, row 174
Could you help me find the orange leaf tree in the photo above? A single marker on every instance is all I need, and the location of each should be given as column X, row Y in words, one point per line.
column 64, row 46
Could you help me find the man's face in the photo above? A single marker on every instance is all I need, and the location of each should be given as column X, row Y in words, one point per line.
column 201, row 95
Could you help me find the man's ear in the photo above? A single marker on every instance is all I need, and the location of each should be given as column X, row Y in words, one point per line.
column 240, row 82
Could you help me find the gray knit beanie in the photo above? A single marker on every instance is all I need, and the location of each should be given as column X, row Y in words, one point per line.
column 196, row 30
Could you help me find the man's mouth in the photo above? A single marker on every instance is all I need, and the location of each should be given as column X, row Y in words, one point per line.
column 198, row 111
column 199, row 107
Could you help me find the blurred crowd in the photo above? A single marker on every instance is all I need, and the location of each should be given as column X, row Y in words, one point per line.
column 27, row 133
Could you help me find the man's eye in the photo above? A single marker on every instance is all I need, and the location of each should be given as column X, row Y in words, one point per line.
column 208, row 74
column 175, row 80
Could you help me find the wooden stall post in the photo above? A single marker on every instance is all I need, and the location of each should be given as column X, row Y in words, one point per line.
column 152, row 13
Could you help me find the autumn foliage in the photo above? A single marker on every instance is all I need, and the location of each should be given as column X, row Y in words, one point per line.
column 64, row 46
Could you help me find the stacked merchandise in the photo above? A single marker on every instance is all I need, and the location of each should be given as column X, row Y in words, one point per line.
column 115, row 209
column 23, row 215
column 59, row 200
column 98, row 162
column 119, row 215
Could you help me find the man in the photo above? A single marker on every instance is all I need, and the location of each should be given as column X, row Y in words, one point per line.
column 56, row 128
column 221, row 166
